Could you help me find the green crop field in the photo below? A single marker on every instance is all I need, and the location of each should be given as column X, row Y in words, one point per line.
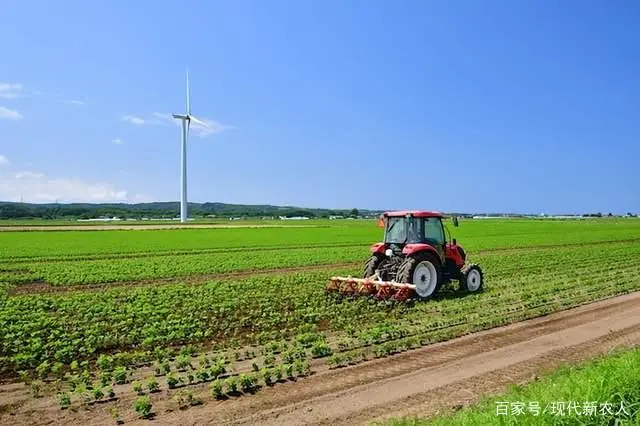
column 163, row 303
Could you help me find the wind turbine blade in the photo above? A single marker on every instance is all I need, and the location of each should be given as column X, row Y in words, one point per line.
column 197, row 121
column 188, row 95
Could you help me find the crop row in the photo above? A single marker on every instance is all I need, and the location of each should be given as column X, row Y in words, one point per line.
column 63, row 328
column 51, row 244
column 129, row 269
column 474, row 235
column 160, row 267
column 279, row 359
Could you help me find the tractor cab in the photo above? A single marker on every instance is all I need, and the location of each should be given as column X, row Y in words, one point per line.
column 402, row 228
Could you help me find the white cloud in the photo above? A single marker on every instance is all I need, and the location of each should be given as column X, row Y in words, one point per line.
column 29, row 175
column 10, row 90
column 133, row 119
column 117, row 141
column 164, row 118
column 4, row 161
column 72, row 102
column 9, row 114
column 36, row 187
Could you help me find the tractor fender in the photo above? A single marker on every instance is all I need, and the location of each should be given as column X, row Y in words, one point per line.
column 378, row 248
column 456, row 254
column 411, row 249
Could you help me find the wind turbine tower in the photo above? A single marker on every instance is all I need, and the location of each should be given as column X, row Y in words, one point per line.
column 186, row 123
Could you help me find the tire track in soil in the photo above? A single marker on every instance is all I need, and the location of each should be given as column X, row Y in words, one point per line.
column 349, row 395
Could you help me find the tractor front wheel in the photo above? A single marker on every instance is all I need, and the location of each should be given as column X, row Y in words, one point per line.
column 422, row 270
column 471, row 278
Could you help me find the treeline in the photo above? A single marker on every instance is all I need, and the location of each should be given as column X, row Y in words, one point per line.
column 160, row 210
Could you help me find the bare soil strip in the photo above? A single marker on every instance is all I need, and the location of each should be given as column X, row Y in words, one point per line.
column 424, row 381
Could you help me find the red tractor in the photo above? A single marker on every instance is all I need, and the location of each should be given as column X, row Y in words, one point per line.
column 415, row 258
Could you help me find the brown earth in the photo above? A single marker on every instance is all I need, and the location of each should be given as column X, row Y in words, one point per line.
column 425, row 381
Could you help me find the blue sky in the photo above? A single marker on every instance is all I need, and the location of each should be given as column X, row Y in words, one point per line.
column 521, row 106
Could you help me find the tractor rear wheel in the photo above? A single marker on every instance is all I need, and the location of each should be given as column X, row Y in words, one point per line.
column 371, row 265
column 424, row 271
column 471, row 278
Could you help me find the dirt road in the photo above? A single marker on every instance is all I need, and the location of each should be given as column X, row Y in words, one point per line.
column 424, row 381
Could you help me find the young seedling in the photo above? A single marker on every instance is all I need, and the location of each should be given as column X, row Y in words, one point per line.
column 143, row 406
column 137, row 387
column 36, row 388
column 98, row 394
column 248, row 382
column 217, row 389
column 232, row 384
column 278, row 372
column 266, row 376
column 64, row 399
column 120, row 375
column 172, row 380
column 152, row 385
column 105, row 378
column 288, row 369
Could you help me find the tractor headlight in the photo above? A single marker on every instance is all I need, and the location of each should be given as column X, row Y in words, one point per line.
column 389, row 252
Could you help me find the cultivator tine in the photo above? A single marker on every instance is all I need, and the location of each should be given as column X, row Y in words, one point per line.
column 384, row 292
column 402, row 294
column 381, row 290
column 334, row 286
column 350, row 287
column 367, row 287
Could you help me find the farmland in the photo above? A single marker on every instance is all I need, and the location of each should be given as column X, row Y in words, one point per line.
column 101, row 318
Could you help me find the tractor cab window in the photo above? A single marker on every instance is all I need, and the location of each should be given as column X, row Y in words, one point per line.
column 433, row 231
column 396, row 230
column 401, row 230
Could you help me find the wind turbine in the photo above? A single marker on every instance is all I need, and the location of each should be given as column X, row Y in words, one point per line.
column 186, row 123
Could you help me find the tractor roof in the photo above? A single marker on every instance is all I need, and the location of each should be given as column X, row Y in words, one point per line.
column 414, row 213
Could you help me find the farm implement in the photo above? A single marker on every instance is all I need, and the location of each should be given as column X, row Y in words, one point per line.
column 415, row 259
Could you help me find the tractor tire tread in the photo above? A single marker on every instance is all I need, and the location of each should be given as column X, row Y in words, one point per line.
column 370, row 266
